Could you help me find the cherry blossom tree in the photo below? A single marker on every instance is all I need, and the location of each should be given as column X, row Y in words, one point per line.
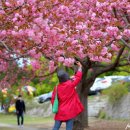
column 96, row 32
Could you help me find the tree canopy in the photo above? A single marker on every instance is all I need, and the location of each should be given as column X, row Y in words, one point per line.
column 60, row 30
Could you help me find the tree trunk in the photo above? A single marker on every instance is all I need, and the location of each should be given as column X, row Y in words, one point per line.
column 81, row 121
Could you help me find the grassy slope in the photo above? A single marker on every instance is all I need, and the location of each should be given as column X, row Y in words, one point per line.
column 12, row 119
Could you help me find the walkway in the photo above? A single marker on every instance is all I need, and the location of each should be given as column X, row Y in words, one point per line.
column 28, row 127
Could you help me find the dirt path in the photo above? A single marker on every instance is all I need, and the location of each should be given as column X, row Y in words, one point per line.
column 93, row 125
column 28, row 127
column 108, row 125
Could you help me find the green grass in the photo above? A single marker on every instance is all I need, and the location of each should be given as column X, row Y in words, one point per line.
column 12, row 119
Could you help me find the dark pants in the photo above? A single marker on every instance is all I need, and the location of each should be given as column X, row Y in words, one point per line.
column 69, row 125
column 20, row 119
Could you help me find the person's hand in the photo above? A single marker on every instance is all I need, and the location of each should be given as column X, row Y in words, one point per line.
column 79, row 64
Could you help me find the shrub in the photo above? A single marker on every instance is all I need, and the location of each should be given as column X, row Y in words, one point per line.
column 116, row 92
column 127, row 84
column 102, row 115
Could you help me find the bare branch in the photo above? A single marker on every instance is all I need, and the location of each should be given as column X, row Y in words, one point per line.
column 127, row 17
column 7, row 48
column 12, row 58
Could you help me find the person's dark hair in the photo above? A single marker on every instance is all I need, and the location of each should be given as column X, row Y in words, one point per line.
column 19, row 95
column 62, row 76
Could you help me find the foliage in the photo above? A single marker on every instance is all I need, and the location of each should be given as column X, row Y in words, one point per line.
column 116, row 92
column 127, row 85
column 61, row 31
column 6, row 99
column 47, row 84
column 94, row 31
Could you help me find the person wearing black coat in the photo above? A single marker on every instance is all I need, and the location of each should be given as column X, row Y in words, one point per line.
column 20, row 109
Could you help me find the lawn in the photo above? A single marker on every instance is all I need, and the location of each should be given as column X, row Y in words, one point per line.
column 12, row 119
column 39, row 123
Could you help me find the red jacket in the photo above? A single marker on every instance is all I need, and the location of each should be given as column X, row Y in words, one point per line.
column 69, row 103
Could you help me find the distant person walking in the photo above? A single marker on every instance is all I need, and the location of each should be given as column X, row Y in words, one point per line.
column 20, row 109
column 69, row 102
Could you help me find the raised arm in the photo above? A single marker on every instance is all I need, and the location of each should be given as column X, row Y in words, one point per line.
column 77, row 76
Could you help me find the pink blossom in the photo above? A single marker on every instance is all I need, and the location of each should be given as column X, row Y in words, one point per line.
column 17, row 15
column 59, row 53
column 3, row 66
column 127, row 32
column 61, row 59
column 118, row 37
column 104, row 51
column 3, row 32
column 38, row 55
column 114, row 47
column 14, row 19
column 112, row 31
column 35, row 65
column 30, row 33
column 68, row 62
column 74, row 42
column 92, row 46
column 39, row 20
column 21, row 32
column 31, row 1
column 109, row 55
column 51, row 66
column 8, row 4
column 25, row 11
column 20, row 2
column 79, row 27
column 73, row 28
column 97, row 34
column 107, row 60
column 32, row 52
column 2, row 12
column 64, row 9
column 85, row 37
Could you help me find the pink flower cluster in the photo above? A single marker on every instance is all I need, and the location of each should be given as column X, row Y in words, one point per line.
column 112, row 31
column 35, row 65
column 127, row 33
column 54, row 29
column 69, row 62
column 52, row 66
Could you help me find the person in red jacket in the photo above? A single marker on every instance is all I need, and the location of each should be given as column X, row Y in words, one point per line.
column 69, row 102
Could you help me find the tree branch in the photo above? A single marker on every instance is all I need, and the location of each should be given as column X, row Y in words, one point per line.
column 112, row 66
column 3, row 44
column 125, row 43
column 125, row 64
column 127, row 19
column 124, row 70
